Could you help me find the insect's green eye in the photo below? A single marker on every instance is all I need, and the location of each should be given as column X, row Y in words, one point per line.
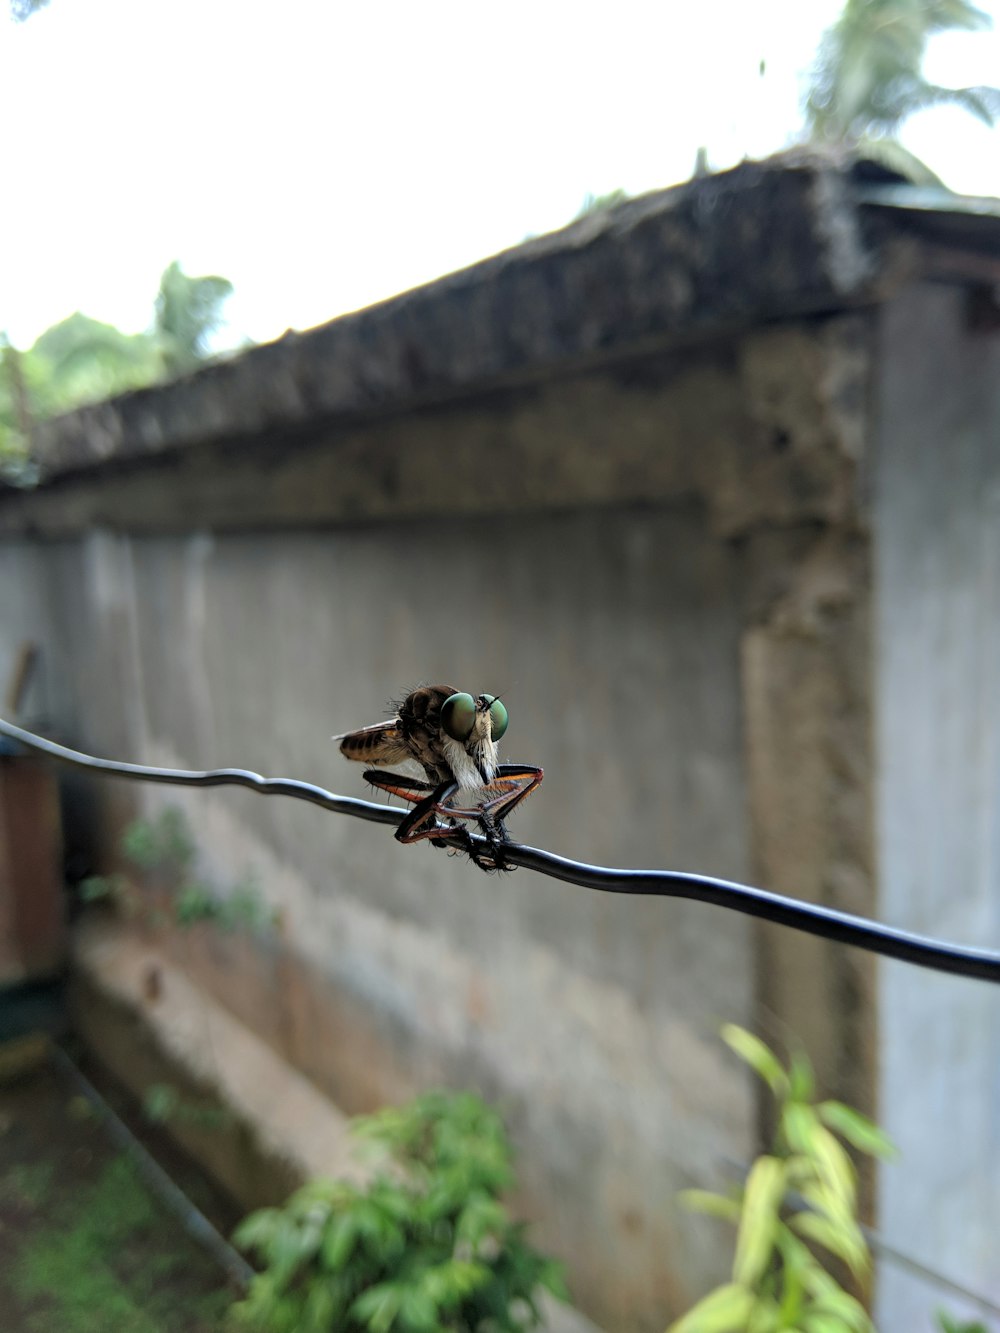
column 498, row 718
column 458, row 714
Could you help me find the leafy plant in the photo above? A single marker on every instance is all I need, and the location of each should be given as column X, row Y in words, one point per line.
column 799, row 1202
column 949, row 1325
column 163, row 1104
column 164, row 851
column 98, row 888
column 163, row 844
column 426, row 1245
column 82, row 360
column 868, row 79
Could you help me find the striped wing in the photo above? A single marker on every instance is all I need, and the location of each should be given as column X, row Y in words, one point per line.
column 381, row 743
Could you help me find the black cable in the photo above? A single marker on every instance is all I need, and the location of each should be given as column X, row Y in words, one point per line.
column 216, row 777
column 860, row 932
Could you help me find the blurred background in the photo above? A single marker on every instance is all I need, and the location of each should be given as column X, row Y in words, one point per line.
column 639, row 366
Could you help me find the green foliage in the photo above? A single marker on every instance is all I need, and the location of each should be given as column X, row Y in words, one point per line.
column 161, row 845
column 163, row 851
column 163, row 1104
column 426, row 1245
column 798, row 1206
column 188, row 311
column 15, row 417
column 867, row 78
column 80, row 360
column 949, row 1325
column 79, row 1268
column 100, row 888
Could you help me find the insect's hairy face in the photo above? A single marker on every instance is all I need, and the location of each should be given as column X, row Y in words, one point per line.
column 471, row 721
column 475, row 725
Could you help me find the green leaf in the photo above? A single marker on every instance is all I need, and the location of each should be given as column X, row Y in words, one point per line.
column 831, row 1298
column 818, row 1322
column 846, row 1243
column 481, row 1217
column 802, row 1081
column 285, row 1250
column 378, row 1306
column 762, row 1198
column 826, row 1202
column 758, row 1056
column 857, row 1129
column 257, row 1229
column 765, row 1317
column 94, row 888
column 796, row 1259
column 418, row 1313
column 725, row 1310
column 446, row 1285
column 807, row 1136
column 552, row 1277
column 321, row 1308
column 161, row 1102
column 835, row 1166
column 338, row 1242
column 714, row 1205
column 799, row 1123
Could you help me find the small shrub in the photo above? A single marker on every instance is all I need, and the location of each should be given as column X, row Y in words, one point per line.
column 799, row 1202
column 426, row 1245
column 163, row 1104
column 164, row 853
column 161, row 845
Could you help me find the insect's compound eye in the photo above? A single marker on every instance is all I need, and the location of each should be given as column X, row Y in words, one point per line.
column 458, row 715
column 498, row 717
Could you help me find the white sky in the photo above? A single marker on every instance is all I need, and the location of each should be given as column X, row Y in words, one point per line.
column 323, row 155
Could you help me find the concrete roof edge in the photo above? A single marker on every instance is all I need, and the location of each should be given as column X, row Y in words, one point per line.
column 764, row 240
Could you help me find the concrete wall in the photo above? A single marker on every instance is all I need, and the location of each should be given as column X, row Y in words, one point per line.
column 661, row 567
column 937, row 524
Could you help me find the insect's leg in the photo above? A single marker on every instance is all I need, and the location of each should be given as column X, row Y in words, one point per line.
column 519, row 781
column 509, row 786
column 422, row 821
column 420, row 794
column 396, row 784
column 512, row 783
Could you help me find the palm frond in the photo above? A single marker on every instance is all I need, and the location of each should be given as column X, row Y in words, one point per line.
column 867, row 75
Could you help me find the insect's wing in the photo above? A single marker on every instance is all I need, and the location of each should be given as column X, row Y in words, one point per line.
column 381, row 743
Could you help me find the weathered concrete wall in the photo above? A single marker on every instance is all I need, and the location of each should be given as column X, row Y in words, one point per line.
column 937, row 549
column 634, row 558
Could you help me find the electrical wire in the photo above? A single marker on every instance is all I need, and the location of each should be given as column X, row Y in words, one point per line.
column 812, row 918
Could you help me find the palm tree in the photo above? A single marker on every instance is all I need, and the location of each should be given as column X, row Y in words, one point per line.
column 867, row 78
column 187, row 311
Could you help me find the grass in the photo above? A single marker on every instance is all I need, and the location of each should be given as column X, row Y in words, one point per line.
column 99, row 1263
column 84, row 1247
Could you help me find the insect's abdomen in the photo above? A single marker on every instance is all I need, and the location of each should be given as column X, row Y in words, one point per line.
column 382, row 742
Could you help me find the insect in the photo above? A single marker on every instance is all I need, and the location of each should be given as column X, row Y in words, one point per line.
column 453, row 737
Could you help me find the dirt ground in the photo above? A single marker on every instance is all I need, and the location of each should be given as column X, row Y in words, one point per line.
column 85, row 1247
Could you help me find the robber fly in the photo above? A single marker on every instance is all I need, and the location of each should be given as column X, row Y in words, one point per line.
column 453, row 737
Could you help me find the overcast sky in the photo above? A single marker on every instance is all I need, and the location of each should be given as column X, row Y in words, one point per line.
column 324, row 155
